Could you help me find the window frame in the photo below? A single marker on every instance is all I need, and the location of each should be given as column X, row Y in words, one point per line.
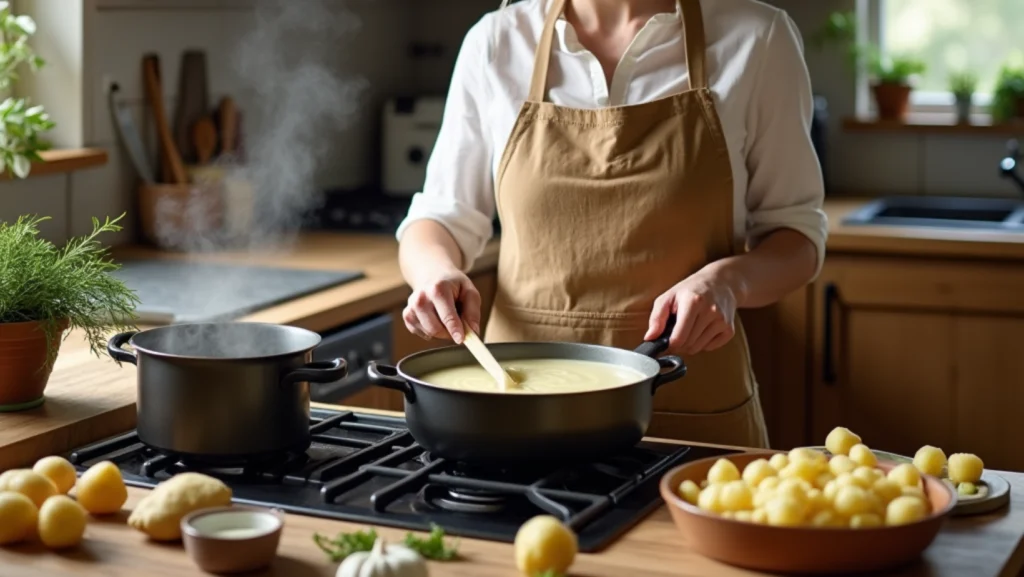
column 870, row 19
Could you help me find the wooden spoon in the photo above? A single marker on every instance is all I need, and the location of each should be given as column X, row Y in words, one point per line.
column 228, row 125
column 486, row 359
column 204, row 139
column 154, row 93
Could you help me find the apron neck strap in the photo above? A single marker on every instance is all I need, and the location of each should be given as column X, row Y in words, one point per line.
column 693, row 34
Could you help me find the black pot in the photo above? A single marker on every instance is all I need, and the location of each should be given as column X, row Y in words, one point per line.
column 502, row 429
column 225, row 391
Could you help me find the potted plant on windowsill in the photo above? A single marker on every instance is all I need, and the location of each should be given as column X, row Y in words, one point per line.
column 1008, row 97
column 891, row 85
column 21, row 124
column 44, row 292
column 962, row 85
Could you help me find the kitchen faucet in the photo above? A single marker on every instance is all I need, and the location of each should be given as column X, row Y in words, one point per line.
column 1008, row 166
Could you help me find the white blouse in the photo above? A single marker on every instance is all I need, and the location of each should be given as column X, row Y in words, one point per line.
column 756, row 72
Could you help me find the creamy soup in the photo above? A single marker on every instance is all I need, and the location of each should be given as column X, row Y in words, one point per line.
column 538, row 376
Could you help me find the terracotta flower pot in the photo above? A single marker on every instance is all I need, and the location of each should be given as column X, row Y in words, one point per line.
column 892, row 100
column 23, row 367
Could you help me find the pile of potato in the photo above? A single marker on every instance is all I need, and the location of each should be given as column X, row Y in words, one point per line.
column 807, row 488
column 35, row 502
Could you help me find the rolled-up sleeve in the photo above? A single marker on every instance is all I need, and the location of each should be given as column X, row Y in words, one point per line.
column 458, row 191
column 785, row 187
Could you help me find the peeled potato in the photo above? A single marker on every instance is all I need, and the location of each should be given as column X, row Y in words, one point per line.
column 101, row 489
column 689, row 491
column 823, row 479
column 745, row 516
column 709, row 498
column 544, row 544
column 769, row 484
column 930, row 460
column 61, row 522
column 905, row 510
column 757, row 471
column 5, row 477
column 759, row 516
column 59, row 471
column 887, row 489
column 865, row 521
column 17, row 517
column 807, row 454
column 33, row 485
column 779, row 461
column 852, row 500
column 848, row 479
column 723, row 471
column 868, row 474
column 841, row 464
column 840, row 440
column 965, row 468
column 159, row 513
column 736, row 496
column 863, row 456
column 784, row 512
column 802, row 469
column 905, row 474
column 827, row 518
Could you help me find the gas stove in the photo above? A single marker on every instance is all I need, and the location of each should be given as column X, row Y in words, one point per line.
column 366, row 468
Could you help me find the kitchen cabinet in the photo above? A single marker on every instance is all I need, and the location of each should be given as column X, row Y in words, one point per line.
column 908, row 352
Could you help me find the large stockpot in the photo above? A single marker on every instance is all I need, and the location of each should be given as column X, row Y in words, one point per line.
column 225, row 391
column 500, row 429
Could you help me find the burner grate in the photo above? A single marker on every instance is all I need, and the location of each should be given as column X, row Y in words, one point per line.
column 368, row 468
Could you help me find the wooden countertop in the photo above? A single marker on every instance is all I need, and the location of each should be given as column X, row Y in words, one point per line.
column 981, row 546
column 89, row 398
column 915, row 241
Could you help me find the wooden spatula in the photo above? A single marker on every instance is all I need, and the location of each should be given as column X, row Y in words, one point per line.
column 204, row 139
column 486, row 359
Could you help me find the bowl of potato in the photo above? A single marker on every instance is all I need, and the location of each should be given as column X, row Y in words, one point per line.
column 807, row 511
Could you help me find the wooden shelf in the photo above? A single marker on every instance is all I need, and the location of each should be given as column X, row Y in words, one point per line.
column 942, row 124
column 67, row 160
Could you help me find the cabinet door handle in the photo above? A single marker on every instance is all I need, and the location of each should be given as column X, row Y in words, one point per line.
column 828, row 361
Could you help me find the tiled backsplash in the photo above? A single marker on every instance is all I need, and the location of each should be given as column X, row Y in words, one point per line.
column 121, row 31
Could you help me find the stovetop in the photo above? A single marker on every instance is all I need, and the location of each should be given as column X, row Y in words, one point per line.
column 366, row 468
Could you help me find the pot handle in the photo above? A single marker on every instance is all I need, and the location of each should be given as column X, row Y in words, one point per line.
column 658, row 345
column 676, row 370
column 117, row 353
column 318, row 372
column 387, row 376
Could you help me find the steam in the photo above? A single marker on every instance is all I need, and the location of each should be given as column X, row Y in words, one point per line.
column 296, row 100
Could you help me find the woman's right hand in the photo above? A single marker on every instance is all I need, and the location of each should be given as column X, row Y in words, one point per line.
column 434, row 308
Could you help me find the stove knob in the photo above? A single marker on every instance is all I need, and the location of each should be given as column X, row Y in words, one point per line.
column 377, row 349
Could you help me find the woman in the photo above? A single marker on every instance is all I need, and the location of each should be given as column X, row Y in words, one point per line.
column 648, row 159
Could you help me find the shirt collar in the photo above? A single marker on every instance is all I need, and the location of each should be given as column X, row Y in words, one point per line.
column 569, row 42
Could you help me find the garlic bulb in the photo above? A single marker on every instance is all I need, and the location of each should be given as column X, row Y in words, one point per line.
column 384, row 561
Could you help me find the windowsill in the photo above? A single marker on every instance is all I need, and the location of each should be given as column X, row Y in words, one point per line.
column 67, row 160
column 935, row 123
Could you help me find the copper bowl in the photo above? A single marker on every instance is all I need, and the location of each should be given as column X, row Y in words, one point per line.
column 232, row 539
column 803, row 550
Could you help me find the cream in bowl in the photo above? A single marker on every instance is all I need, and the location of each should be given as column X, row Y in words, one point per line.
column 232, row 539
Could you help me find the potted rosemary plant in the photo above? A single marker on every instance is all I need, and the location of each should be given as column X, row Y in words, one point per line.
column 21, row 124
column 1008, row 97
column 962, row 85
column 46, row 290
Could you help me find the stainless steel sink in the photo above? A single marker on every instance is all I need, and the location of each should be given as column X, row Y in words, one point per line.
column 937, row 211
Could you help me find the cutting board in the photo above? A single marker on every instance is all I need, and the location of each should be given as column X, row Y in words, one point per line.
column 181, row 291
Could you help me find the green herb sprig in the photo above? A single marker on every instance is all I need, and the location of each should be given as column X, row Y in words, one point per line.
column 41, row 282
column 344, row 544
column 433, row 546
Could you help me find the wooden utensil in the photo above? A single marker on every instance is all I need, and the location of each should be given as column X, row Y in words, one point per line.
column 170, row 158
column 228, row 120
column 204, row 139
column 193, row 101
column 487, row 360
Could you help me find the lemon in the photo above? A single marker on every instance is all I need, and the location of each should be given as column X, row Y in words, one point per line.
column 61, row 522
column 59, row 471
column 101, row 489
column 17, row 517
column 544, row 544
column 31, row 484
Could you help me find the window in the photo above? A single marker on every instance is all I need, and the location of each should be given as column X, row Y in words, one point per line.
column 949, row 36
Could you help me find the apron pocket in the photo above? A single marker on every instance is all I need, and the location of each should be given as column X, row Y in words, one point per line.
column 740, row 426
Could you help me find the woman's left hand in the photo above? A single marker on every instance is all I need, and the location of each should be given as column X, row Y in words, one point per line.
column 705, row 309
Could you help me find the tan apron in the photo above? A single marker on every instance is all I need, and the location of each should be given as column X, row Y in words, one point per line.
column 604, row 210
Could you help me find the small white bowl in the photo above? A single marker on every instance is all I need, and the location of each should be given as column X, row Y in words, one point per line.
column 232, row 539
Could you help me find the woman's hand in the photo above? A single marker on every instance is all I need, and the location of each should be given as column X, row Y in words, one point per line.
column 705, row 309
column 434, row 307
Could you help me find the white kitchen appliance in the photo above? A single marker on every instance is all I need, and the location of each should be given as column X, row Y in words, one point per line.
column 410, row 127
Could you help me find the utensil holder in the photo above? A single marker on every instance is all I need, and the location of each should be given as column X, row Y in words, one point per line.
column 180, row 216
